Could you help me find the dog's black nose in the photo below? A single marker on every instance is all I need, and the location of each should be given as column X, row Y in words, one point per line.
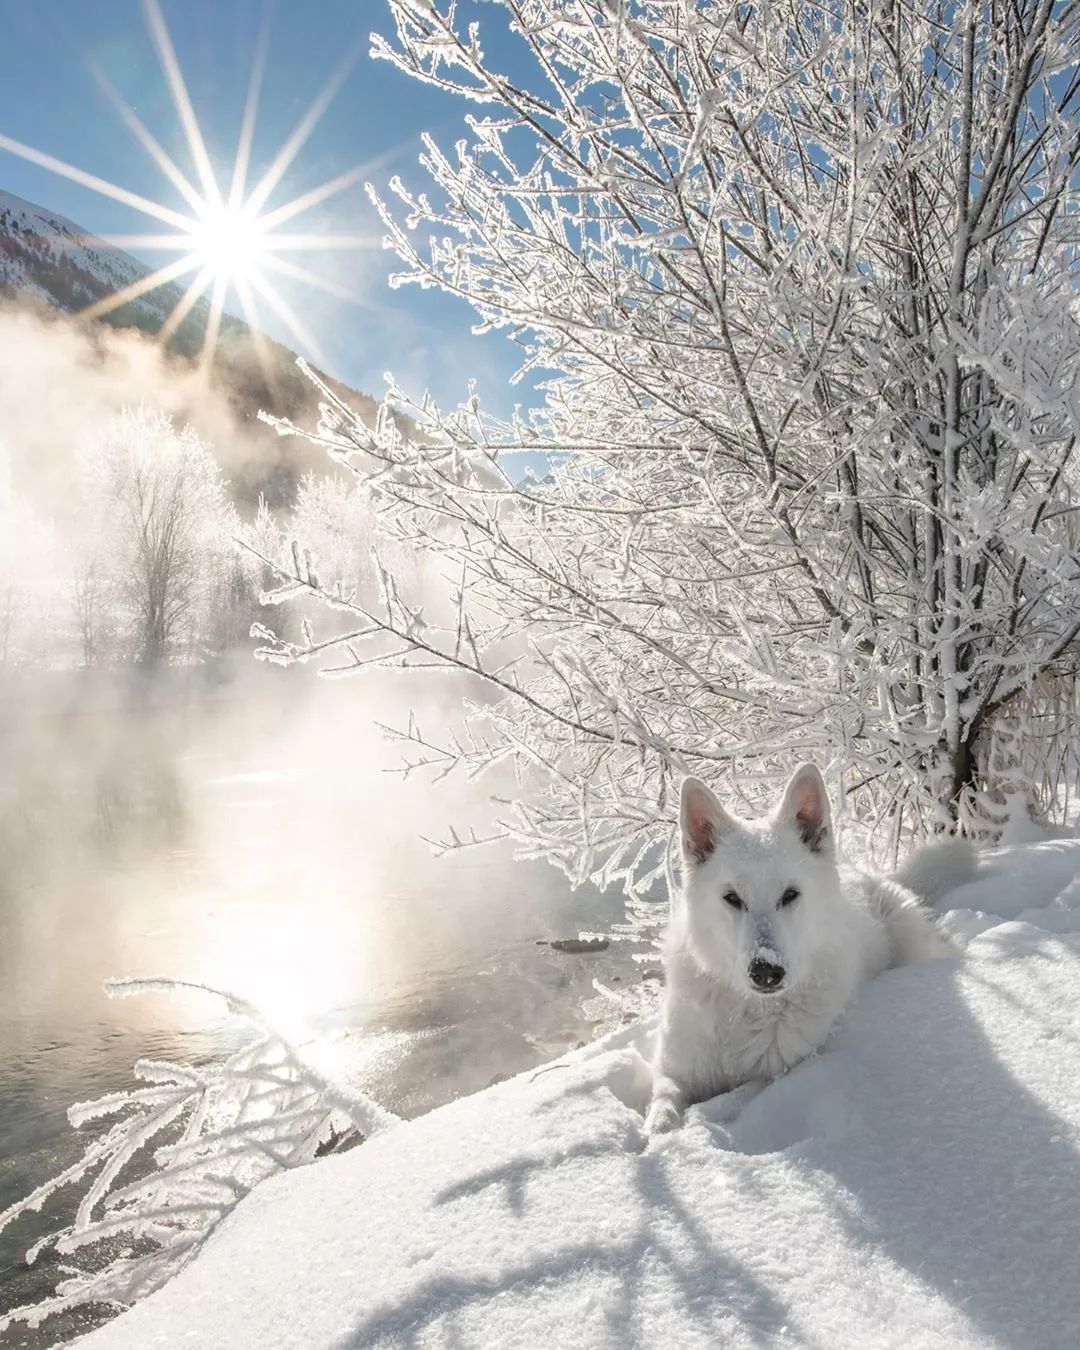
column 766, row 976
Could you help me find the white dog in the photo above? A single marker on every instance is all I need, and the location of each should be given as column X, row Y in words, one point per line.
column 767, row 944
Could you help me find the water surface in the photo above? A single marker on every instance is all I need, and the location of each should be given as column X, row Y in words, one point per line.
column 248, row 835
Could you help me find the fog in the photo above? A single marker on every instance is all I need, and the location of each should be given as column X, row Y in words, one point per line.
column 253, row 834
column 59, row 382
column 234, row 823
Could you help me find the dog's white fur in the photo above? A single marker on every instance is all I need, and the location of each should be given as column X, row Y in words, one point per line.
column 718, row 1031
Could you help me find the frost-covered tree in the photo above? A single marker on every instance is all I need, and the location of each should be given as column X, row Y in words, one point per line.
column 159, row 531
column 92, row 591
column 332, row 521
column 800, row 280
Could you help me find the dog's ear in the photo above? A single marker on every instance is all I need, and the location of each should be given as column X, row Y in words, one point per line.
column 702, row 820
column 806, row 806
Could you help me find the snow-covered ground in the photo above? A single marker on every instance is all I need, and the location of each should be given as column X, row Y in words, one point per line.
column 916, row 1184
column 35, row 233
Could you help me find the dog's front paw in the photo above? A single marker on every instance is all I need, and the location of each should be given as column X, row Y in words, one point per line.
column 663, row 1117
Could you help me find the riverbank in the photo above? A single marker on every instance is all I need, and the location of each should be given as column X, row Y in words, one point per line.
column 248, row 835
column 914, row 1184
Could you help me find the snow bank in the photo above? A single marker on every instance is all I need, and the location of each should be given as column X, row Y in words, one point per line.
column 917, row 1184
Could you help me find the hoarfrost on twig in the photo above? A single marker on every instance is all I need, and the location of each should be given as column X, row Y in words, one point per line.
column 179, row 1154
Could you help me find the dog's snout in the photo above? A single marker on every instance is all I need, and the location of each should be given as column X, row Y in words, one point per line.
column 766, row 976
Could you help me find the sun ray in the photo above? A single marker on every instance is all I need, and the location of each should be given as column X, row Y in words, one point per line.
column 316, row 243
column 100, row 185
column 258, row 338
column 155, row 21
column 161, row 277
column 154, row 148
column 213, row 326
column 285, row 313
column 315, row 196
column 303, row 129
column 247, row 127
column 172, row 243
column 334, row 185
column 309, row 278
column 184, row 305
column 278, row 243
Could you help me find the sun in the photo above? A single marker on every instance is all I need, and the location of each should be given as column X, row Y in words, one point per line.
column 227, row 239
column 230, row 244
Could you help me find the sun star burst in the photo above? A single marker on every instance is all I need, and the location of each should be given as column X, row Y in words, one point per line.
column 231, row 244
column 228, row 239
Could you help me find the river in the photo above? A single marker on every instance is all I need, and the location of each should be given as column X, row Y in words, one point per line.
column 248, row 834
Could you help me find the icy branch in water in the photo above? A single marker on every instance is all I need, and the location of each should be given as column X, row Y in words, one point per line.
column 181, row 1151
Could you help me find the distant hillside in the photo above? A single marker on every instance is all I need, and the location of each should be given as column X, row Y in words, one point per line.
column 49, row 263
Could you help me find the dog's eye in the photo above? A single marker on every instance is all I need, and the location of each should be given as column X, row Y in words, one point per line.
column 732, row 899
column 788, row 898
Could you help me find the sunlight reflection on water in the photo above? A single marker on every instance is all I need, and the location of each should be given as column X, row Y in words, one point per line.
column 255, row 843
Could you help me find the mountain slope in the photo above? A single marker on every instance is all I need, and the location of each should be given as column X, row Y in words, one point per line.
column 51, row 264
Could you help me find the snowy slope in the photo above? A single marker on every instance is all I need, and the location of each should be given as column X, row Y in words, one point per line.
column 49, row 256
column 57, row 265
column 916, row 1185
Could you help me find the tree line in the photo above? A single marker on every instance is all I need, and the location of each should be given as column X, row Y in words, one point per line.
column 148, row 562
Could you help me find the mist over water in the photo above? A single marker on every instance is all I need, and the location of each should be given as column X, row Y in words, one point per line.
column 245, row 832
column 233, row 824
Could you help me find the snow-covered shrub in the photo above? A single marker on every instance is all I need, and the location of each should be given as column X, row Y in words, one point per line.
column 175, row 1155
column 329, row 519
column 801, row 281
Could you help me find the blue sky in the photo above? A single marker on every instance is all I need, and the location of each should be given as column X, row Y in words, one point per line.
column 51, row 101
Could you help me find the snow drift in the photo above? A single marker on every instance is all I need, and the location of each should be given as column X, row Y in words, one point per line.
column 916, row 1184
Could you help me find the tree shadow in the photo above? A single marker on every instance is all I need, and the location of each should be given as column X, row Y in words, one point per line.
column 516, row 1175
column 692, row 1261
column 921, row 1143
column 984, row 1207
